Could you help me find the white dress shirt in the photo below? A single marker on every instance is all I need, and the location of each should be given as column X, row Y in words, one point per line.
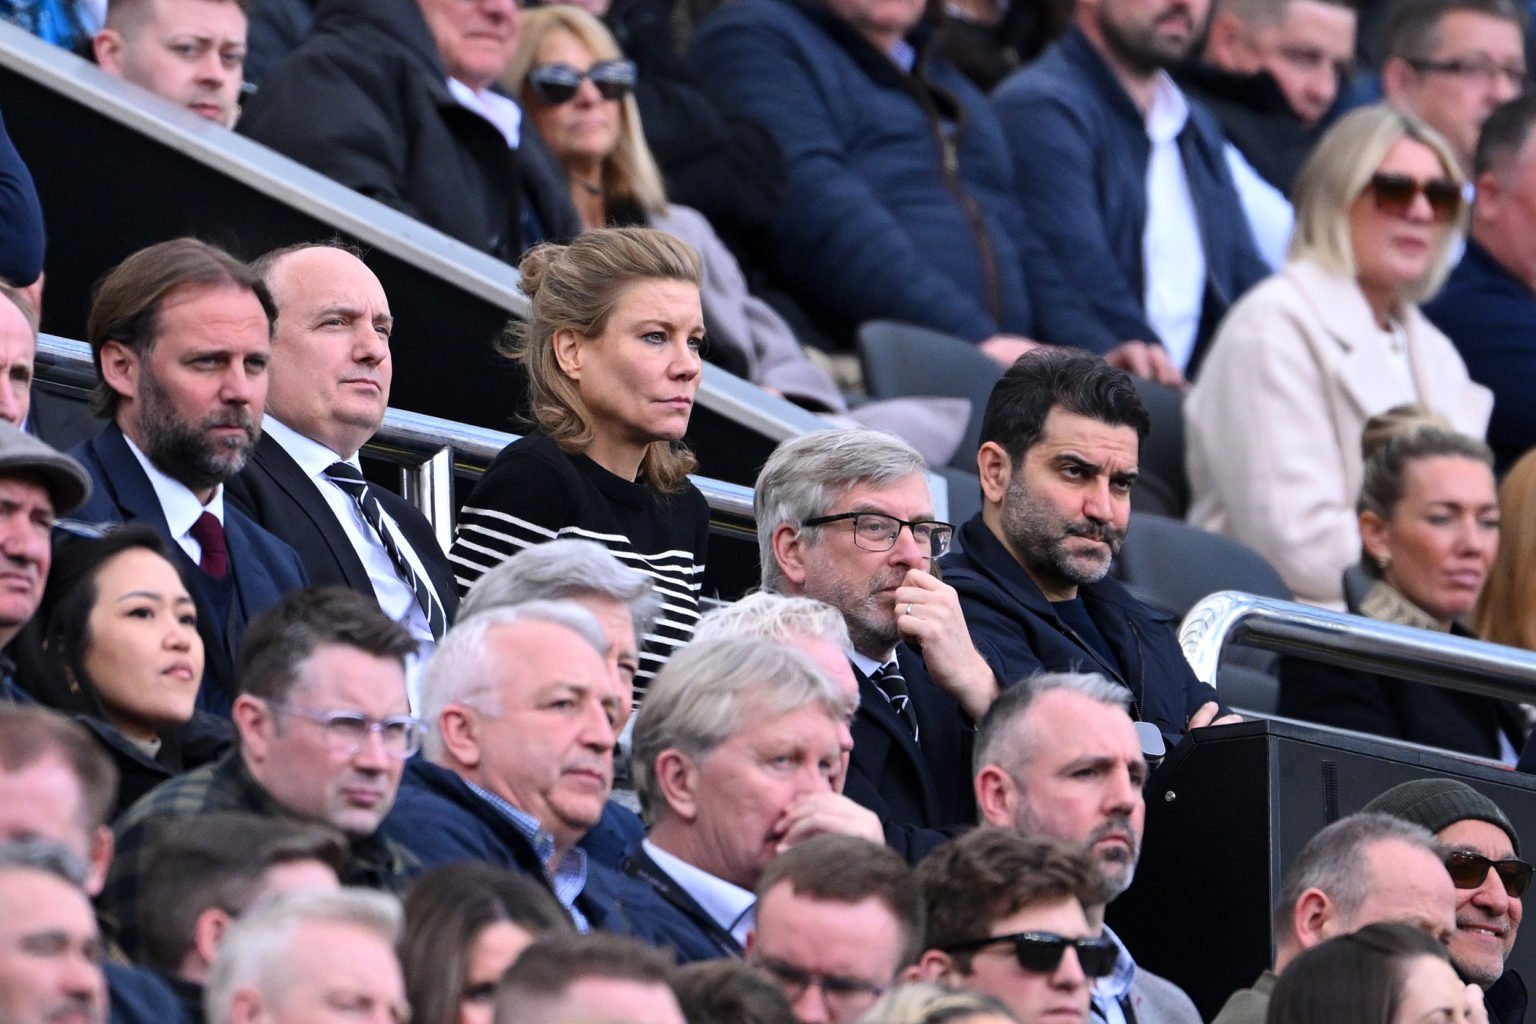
column 1172, row 254
column 179, row 505
column 395, row 595
column 502, row 112
column 728, row 905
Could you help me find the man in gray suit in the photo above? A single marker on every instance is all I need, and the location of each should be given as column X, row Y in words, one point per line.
column 1059, row 758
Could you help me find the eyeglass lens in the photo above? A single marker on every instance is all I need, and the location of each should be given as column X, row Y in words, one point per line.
column 555, row 84
column 1395, row 193
column 1468, row 871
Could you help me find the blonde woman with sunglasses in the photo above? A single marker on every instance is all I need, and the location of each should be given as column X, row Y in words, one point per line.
column 1304, row 359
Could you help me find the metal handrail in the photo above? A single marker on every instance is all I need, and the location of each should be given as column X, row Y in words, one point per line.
column 1350, row 641
column 430, row 451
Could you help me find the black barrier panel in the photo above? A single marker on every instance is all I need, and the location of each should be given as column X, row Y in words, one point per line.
column 1227, row 813
column 108, row 189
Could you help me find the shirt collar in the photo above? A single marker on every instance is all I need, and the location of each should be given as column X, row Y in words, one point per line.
column 869, row 666
column 723, row 901
column 177, row 502
column 501, row 111
column 313, row 457
column 1117, row 982
column 1168, row 112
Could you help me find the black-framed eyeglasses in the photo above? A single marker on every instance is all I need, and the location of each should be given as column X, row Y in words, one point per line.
column 1480, row 69
column 347, row 731
column 845, row 996
column 1394, row 195
column 554, row 84
column 876, row 531
column 1469, row 870
column 1041, row 952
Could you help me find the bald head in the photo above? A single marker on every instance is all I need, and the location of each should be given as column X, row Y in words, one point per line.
column 331, row 367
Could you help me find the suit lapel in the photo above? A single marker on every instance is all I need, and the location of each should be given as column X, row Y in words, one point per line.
column 875, row 709
column 640, row 865
column 302, row 491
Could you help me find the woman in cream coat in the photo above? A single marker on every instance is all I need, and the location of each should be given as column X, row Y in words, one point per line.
column 1306, row 357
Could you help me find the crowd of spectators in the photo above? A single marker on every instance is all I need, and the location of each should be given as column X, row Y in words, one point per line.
column 271, row 754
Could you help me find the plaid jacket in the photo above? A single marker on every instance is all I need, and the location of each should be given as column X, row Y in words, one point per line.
column 224, row 785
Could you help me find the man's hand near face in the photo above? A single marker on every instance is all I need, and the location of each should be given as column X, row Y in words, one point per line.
column 928, row 617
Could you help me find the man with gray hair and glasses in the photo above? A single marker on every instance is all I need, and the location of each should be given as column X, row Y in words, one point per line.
column 1360, row 870
column 309, row 957
column 324, row 730
column 845, row 516
column 736, row 754
column 50, row 948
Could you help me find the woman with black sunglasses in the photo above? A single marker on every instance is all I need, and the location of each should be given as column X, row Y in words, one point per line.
column 577, row 88
column 1302, row 360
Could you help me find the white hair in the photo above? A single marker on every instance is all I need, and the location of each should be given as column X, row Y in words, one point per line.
column 465, row 670
column 256, row 952
column 776, row 617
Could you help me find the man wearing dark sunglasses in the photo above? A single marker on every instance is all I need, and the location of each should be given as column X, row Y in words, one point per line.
column 1483, row 859
column 1007, row 917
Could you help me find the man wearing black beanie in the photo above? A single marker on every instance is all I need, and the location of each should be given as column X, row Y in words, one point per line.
column 1482, row 857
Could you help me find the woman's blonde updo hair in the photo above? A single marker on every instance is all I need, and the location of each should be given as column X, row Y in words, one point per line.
column 1394, row 440
column 576, row 287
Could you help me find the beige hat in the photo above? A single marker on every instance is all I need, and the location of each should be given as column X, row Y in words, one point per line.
column 67, row 481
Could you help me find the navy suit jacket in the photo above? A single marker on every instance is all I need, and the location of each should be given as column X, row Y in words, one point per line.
column 920, row 789
column 284, row 500
column 262, row 568
column 1490, row 316
column 442, row 821
column 701, row 938
column 1018, row 632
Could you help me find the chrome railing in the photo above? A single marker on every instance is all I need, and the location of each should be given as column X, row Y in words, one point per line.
column 430, row 451
column 1350, row 641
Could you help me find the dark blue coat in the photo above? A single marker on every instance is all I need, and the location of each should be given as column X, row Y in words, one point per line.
column 1490, row 317
column 1018, row 632
column 262, row 568
column 1080, row 155
column 442, row 821
column 139, row 996
column 900, row 202
column 920, row 791
column 21, row 217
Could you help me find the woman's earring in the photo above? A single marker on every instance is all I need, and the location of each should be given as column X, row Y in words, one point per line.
column 1384, row 561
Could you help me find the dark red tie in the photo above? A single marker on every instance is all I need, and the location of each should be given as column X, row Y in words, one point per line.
column 209, row 534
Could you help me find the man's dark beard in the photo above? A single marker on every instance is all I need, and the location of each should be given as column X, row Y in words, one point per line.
column 184, row 452
column 1137, row 50
column 1039, row 534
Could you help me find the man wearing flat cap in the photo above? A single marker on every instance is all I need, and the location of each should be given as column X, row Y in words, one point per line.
column 37, row 484
column 1482, row 855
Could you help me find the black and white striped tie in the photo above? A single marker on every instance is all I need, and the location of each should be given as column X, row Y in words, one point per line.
column 890, row 681
column 349, row 479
